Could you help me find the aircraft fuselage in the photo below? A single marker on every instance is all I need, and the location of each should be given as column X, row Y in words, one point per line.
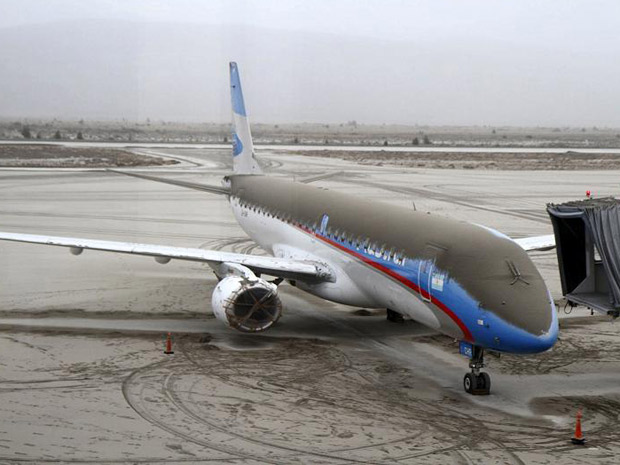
column 464, row 280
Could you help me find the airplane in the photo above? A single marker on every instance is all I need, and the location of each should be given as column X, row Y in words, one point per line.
column 464, row 280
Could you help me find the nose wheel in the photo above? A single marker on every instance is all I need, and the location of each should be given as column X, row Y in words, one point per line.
column 478, row 385
column 476, row 382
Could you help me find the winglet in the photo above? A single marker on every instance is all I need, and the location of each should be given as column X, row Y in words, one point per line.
column 244, row 160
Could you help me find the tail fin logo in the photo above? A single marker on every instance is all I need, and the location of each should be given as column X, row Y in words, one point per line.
column 244, row 161
column 237, row 146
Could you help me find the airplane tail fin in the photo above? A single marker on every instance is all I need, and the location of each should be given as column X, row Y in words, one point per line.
column 244, row 160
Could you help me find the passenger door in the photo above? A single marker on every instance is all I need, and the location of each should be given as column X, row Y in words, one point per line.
column 426, row 268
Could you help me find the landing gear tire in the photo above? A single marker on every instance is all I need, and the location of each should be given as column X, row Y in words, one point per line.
column 484, row 383
column 477, row 382
column 478, row 385
column 469, row 381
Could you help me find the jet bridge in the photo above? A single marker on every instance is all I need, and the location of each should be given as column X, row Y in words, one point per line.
column 587, row 236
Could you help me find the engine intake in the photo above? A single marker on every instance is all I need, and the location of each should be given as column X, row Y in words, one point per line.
column 246, row 305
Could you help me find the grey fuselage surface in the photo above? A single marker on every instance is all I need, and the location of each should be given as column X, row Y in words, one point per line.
column 479, row 284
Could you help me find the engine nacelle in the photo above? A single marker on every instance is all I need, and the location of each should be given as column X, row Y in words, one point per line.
column 245, row 305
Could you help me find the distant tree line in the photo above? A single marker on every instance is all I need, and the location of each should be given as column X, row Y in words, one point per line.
column 425, row 140
column 27, row 134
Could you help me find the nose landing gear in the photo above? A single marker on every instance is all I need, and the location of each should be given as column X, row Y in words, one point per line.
column 477, row 382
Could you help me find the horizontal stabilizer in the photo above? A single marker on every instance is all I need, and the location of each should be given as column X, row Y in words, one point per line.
column 190, row 185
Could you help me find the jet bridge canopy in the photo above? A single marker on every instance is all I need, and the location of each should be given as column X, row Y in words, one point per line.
column 587, row 236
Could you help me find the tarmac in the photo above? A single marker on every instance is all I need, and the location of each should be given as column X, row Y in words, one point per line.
column 83, row 377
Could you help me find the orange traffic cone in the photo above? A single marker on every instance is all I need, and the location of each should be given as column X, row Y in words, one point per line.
column 168, row 350
column 578, row 437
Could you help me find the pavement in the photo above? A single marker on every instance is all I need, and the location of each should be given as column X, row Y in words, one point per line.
column 83, row 377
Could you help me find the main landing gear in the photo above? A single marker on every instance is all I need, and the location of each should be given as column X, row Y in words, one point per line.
column 476, row 382
column 394, row 317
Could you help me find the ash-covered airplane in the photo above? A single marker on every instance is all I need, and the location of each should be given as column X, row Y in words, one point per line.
column 464, row 280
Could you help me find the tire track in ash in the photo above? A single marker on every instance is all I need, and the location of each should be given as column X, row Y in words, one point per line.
column 360, row 406
column 235, row 373
column 487, row 432
column 158, row 379
column 532, row 200
column 242, row 245
column 338, row 362
column 40, row 214
column 18, row 176
column 465, row 434
column 133, row 392
column 425, row 193
column 12, row 183
column 222, row 158
column 299, row 454
column 266, row 160
column 38, row 460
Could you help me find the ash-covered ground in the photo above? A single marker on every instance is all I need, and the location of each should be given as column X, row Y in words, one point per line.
column 472, row 160
column 83, row 378
column 63, row 156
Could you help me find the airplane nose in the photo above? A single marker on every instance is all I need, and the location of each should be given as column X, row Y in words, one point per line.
column 544, row 340
column 547, row 337
column 516, row 294
column 533, row 340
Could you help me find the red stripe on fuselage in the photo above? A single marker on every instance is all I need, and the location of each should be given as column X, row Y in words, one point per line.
column 410, row 284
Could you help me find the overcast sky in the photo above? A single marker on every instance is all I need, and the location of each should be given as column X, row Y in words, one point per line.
column 550, row 63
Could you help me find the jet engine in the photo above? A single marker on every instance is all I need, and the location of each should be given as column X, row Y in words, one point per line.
column 246, row 305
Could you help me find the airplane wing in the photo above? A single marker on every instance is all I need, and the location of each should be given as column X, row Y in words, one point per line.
column 537, row 242
column 280, row 267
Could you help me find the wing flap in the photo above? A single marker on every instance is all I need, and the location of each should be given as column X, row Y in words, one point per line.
column 280, row 267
